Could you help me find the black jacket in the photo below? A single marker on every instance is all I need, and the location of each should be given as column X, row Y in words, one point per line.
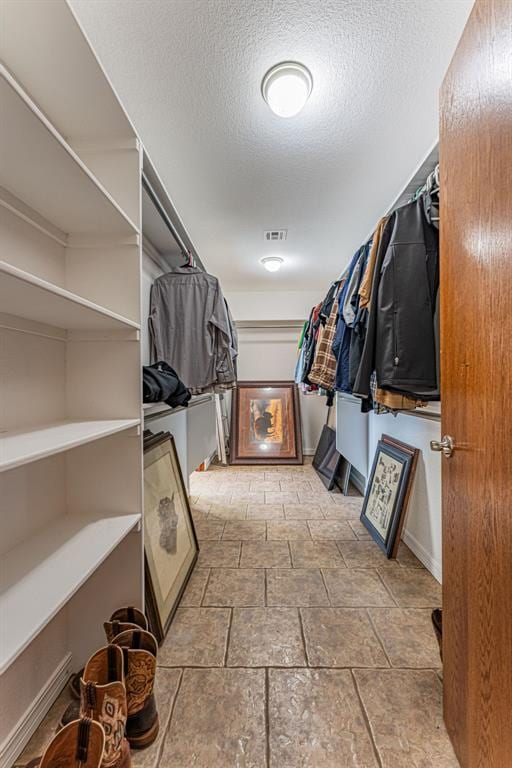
column 400, row 339
column 161, row 383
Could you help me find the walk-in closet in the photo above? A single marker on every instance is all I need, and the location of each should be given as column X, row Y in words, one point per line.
column 255, row 280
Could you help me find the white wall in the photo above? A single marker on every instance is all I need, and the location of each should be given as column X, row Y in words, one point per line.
column 357, row 437
column 422, row 529
column 273, row 305
column 270, row 354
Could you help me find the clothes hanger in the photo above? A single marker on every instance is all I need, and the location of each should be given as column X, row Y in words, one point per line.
column 189, row 262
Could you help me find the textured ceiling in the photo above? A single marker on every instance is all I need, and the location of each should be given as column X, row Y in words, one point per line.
column 189, row 72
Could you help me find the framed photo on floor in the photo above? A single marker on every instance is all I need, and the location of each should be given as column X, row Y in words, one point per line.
column 388, row 492
column 170, row 541
column 265, row 423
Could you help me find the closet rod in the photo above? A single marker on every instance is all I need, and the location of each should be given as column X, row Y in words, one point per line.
column 163, row 213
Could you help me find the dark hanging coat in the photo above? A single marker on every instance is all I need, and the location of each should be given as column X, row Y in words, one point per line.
column 400, row 340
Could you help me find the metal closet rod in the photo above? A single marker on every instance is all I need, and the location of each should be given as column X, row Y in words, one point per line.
column 165, row 216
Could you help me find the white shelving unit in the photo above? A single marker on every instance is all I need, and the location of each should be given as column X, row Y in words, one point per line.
column 75, row 201
column 71, row 548
column 35, row 299
column 23, row 446
column 74, row 545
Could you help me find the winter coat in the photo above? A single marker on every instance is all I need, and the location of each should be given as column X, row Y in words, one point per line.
column 400, row 339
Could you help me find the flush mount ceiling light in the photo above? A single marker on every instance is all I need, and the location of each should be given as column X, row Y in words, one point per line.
column 286, row 88
column 272, row 263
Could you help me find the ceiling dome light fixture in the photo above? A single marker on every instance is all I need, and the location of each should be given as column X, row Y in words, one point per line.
column 286, row 87
column 272, row 263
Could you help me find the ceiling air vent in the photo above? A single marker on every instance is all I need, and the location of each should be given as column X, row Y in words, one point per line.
column 275, row 235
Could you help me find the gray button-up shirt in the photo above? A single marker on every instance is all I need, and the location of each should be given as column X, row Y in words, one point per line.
column 190, row 329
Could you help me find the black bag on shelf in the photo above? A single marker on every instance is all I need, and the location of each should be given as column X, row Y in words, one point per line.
column 161, row 383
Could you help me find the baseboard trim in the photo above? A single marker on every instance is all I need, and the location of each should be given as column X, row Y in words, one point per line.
column 425, row 557
column 18, row 738
column 211, row 458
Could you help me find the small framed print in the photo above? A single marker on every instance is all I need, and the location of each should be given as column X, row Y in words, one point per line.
column 170, row 541
column 265, row 423
column 388, row 492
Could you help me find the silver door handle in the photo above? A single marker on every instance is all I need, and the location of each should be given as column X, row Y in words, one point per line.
column 446, row 446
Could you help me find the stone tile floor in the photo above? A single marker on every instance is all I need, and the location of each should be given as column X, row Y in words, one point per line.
column 297, row 644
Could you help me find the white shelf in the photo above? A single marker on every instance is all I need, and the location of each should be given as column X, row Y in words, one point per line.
column 23, row 446
column 28, row 296
column 40, row 168
column 40, row 575
column 62, row 70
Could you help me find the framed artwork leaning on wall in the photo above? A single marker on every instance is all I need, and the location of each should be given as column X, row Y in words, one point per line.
column 170, row 541
column 265, row 423
column 388, row 492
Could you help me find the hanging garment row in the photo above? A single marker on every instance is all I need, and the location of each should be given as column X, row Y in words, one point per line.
column 191, row 329
column 376, row 335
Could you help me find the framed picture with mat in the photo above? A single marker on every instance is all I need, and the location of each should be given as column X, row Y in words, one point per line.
column 170, row 541
column 265, row 423
column 388, row 492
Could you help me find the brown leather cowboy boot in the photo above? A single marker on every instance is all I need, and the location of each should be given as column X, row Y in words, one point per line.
column 80, row 743
column 139, row 649
column 103, row 698
column 122, row 619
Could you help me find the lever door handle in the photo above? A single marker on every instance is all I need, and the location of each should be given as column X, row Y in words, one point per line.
column 446, row 446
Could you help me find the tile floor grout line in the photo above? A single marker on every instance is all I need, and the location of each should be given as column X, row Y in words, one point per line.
column 265, row 597
column 267, row 717
column 168, row 727
column 303, row 635
column 379, row 639
column 378, row 668
column 325, row 587
column 367, row 721
column 228, row 639
column 207, row 582
column 341, row 553
column 388, row 590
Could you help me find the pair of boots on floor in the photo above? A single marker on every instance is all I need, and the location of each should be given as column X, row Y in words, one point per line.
column 116, row 706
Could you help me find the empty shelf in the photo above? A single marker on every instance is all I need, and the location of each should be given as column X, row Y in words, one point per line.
column 41, row 574
column 22, row 446
column 25, row 295
column 41, row 169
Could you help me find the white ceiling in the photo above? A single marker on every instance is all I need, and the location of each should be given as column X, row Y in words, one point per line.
column 189, row 73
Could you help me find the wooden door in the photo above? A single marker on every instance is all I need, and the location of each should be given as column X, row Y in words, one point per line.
column 476, row 341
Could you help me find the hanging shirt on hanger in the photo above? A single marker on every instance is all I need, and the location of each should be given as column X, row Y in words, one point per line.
column 365, row 289
column 190, row 329
column 323, row 371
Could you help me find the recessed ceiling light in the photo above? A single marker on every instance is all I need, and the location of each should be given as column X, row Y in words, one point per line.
column 286, row 88
column 272, row 263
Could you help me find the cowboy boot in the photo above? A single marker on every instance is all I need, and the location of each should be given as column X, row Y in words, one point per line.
column 123, row 618
column 103, row 698
column 139, row 650
column 80, row 743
